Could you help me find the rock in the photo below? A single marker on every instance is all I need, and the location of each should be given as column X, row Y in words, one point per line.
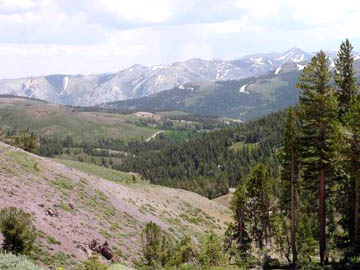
column 71, row 205
column 103, row 249
column 106, row 251
column 93, row 245
column 83, row 249
column 52, row 212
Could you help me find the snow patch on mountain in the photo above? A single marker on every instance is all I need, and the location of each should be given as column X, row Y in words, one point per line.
column 158, row 67
column 258, row 61
column 29, row 82
column 300, row 67
column 65, row 85
column 243, row 89
column 138, row 81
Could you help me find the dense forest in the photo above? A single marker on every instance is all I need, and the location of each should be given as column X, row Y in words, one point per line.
column 313, row 208
column 208, row 164
column 207, row 158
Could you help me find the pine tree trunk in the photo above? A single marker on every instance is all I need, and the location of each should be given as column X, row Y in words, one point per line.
column 357, row 214
column 240, row 227
column 322, row 217
column 293, row 209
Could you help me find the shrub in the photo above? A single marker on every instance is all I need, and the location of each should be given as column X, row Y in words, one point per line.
column 119, row 267
column 13, row 262
column 151, row 242
column 93, row 263
column 185, row 252
column 211, row 251
column 18, row 231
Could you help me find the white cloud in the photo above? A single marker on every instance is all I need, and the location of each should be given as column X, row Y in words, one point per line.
column 323, row 11
column 259, row 8
column 16, row 5
column 135, row 10
column 233, row 26
column 89, row 36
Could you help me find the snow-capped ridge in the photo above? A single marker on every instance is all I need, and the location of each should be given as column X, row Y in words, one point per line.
column 138, row 80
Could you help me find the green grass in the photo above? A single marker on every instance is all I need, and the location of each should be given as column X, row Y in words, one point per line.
column 63, row 183
column 59, row 121
column 22, row 159
column 240, row 145
column 267, row 87
column 108, row 174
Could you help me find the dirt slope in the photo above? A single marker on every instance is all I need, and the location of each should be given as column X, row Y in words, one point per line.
column 226, row 199
column 103, row 210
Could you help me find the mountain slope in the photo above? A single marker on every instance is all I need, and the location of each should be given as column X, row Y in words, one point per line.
column 52, row 120
column 243, row 99
column 114, row 211
column 138, row 81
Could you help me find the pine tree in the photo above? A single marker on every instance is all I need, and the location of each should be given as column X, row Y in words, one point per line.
column 352, row 120
column 290, row 169
column 259, row 195
column 345, row 76
column 241, row 217
column 349, row 115
column 319, row 133
column 151, row 243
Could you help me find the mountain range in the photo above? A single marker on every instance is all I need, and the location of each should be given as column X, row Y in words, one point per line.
column 138, row 81
column 241, row 99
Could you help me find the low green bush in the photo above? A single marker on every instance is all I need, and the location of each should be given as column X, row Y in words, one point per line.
column 9, row 261
column 17, row 229
column 119, row 267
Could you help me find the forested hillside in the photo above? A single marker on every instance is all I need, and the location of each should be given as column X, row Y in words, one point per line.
column 214, row 161
column 242, row 99
column 311, row 213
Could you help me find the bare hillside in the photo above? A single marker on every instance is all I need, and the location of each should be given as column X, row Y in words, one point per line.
column 72, row 207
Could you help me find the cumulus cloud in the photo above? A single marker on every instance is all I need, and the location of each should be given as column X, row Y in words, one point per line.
column 88, row 36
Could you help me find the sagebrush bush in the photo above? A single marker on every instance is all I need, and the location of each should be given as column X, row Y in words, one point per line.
column 12, row 262
column 93, row 263
column 118, row 267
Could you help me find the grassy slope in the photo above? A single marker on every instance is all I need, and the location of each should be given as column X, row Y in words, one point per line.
column 115, row 210
column 108, row 174
column 55, row 120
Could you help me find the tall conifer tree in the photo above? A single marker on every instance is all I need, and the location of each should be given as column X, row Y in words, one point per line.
column 319, row 133
column 349, row 115
column 259, row 195
column 345, row 76
column 352, row 119
column 290, row 169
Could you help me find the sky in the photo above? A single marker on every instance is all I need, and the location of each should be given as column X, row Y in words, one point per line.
column 39, row 37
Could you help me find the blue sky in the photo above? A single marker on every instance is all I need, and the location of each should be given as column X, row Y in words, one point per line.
column 40, row 37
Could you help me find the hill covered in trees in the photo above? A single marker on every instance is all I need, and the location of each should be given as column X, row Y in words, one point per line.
column 214, row 161
column 242, row 99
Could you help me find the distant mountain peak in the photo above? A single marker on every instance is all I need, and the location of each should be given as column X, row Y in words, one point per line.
column 294, row 55
column 138, row 80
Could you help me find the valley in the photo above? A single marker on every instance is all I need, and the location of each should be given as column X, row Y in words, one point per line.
column 252, row 166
